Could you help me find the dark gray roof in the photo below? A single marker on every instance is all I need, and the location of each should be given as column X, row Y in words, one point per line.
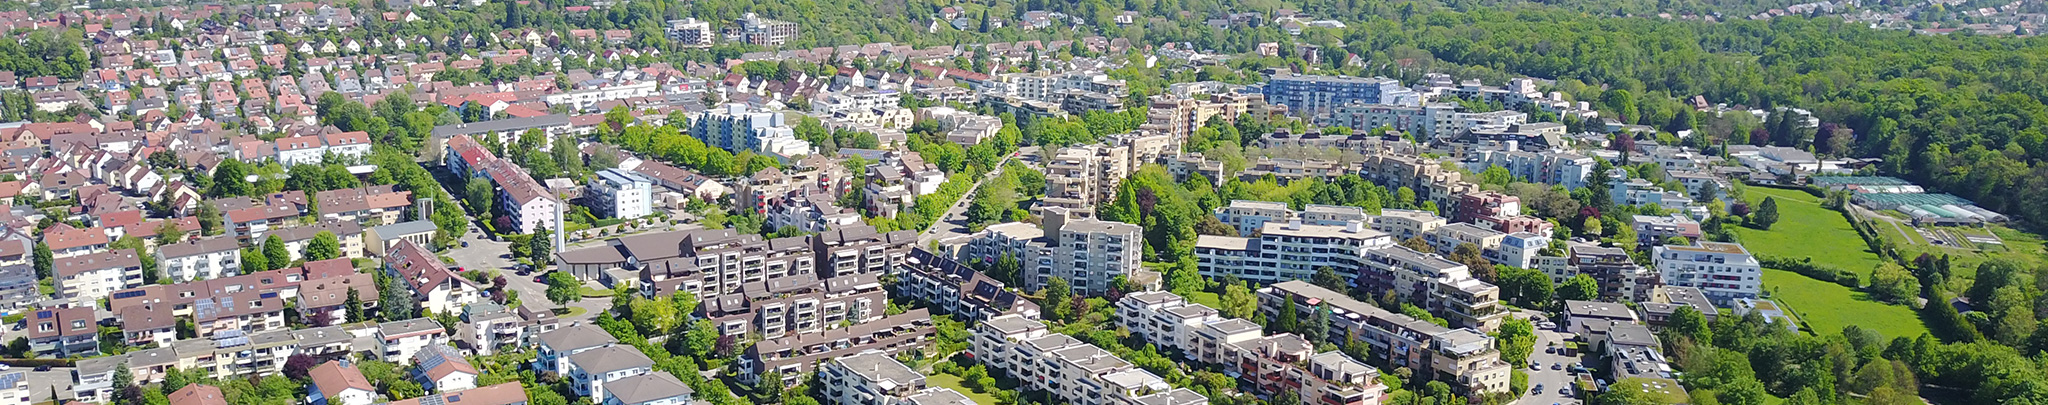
column 405, row 228
column 610, row 358
column 576, row 337
column 502, row 126
column 647, row 388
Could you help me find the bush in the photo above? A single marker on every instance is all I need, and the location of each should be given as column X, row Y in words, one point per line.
column 1806, row 266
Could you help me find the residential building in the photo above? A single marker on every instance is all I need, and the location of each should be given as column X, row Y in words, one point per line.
column 1666, row 300
column 1465, row 358
column 490, row 326
column 1309, row 95
column 202, row 259
column 433, row 283
column 1582, row 316
column 954, row 288
column 438, row 368
column 195, row 394
column 338, row 382
column 858, row 249
column 1087, row 252
column 1654, row 230
column 1082, row 177
column 656, row 388
column 1619, row 277
column 1723, row 271
column 552, row 349
column 83, row 280
column 738, row 128
column 690, row 32
column 1289, row 250
column 328, row 297
column 64, row 332
column 870, row 377
column 1565, row 169
column 383, row 204
column 1405, row 224
column 511, row 393
column 1164, row 318
column 1068, row 369
column 401, row 340
column 796, row 354
column 754, row 30
column 620, row 194
column 591, row 369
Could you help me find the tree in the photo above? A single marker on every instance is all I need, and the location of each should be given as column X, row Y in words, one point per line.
column 1317, row 330
column 541, row 246
column 701, row 338
column 254, row 261
column 1057, row 293
column 1525, row 287
column 1516, row 340
column 167, row 232
column 1327, row 277
column 1591, row 226
column 1766, row 214
column 1289, row 320
column 230, row 179
column 478, row 193
column 44, row 260
column 563, row 288
column 209, row 220
column 1237, row 301
column 297, row 366
column 1688, row 322
column 323, row 246
column 274, row 251
column 394, row 299
column 353, row 306
column 1579, row 288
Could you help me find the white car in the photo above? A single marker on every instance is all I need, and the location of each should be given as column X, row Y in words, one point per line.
column 4, row 367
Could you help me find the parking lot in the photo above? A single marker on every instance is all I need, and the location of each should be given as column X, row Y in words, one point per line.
column 485, row 254
column 1553, row 370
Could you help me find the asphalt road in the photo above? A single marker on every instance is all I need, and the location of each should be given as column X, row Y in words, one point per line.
column 1551, row 380
column 954, row 223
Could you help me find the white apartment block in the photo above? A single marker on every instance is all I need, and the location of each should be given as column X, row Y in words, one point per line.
column 1518, row 249
column 1289, row 251
column 591, row 369
column 552, row 349
column 1569, row 170
column 1072, row 371
column 1273, row 363
column 621, row 194
column 1465, row 358
column 1164, row 318
column 1252, row 216
column 399, row 341
column 690, row 32
column 1087, row 252
column 84, row 279
column 1404, row 224
column 204, row 259
column 582, row 99
column 870, row 377
column 1446, row 287
column 1724, row 271
column 1425, row 121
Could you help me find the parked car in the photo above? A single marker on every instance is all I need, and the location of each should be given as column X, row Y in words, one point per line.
column 45, row 367
column 1556, row 366
column 1550, row 350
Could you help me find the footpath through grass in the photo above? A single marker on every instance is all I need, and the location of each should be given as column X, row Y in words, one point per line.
column 1828, row 307
column 1804, row 229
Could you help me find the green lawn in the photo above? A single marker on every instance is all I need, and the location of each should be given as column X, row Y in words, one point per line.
column 954, row 382
column 1206, row 298
column 1828, row 307
column 1804, row 229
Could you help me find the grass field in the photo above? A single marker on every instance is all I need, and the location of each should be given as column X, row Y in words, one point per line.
column 1206, row 298
column 1804, row 229
column 954, row 382
column 1828, row 307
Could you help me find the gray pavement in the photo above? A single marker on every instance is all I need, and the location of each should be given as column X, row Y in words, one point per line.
column 485, row 254
column 1551, row 380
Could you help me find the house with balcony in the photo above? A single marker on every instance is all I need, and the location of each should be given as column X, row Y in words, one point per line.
column 552, row 349
column 398, row 341
column 591, row 370
column 202, row 259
